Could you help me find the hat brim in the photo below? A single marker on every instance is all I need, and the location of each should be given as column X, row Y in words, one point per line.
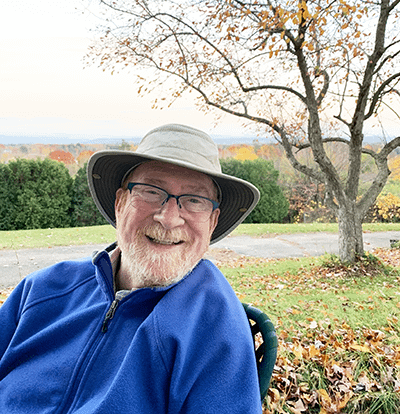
column 106, row 170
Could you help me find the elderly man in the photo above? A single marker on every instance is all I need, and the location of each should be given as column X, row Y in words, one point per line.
column 146, row 326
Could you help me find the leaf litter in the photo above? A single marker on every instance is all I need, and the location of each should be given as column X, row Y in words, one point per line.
column 326, row 366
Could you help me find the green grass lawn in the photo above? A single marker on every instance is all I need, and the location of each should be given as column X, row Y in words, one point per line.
column 265, row 230
column 106, row 234
column 338, row 331
column 295, row 290
column 23, row 239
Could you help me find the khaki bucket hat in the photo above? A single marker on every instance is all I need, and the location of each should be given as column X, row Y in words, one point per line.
column 179, row 145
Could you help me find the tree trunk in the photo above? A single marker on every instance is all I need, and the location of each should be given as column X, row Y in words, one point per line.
column 351, row 242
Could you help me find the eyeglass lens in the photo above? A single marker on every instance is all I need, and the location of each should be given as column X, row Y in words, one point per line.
column 201, row 206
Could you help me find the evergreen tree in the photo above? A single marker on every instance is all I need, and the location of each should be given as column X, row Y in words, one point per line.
column 273, row 206
column 40, row 193
column 84, row 210
column 7, row 199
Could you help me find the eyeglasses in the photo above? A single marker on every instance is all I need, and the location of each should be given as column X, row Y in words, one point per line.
column 201, row 206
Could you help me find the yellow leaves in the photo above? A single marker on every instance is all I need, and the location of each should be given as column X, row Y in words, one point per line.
column 322, row 371
column 386, row 208
column 324, row 364
column 359, row 348
column 313, row 351
column 245, row 153
column 293, row 311
column 303, row 13
column 324, row 398
column 394, row 166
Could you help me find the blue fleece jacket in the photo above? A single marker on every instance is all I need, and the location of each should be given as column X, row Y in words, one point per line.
column 67, row 346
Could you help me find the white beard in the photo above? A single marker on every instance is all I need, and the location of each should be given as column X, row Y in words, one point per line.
column 146, row 268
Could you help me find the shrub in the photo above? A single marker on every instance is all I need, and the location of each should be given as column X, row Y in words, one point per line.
column 39, row 193
column 7, row 199
column 273, row 206
column 84, row 210
column 386, row 209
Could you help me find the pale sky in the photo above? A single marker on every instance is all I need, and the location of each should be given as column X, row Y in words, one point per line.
column 46, row 89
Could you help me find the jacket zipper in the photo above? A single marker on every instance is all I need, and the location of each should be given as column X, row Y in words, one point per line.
column 66, row 407
column 109, row 315
column 119, row 296
column 104, row 327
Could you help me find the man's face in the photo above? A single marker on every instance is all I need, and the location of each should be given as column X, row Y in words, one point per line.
column 161, row 244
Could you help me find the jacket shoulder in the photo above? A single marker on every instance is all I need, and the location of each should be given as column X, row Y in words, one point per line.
column 57, row 280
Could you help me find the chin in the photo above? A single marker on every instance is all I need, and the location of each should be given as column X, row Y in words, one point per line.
column 158, row 257
column 147, row 268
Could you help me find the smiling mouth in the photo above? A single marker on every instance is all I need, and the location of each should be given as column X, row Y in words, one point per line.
column 164, row 242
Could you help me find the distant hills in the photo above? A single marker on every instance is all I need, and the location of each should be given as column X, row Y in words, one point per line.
column 61, row 139
column 25, row 140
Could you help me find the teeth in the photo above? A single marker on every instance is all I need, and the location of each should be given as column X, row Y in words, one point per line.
column 164, row 242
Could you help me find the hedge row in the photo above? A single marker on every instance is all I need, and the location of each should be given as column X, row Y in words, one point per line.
column 38, row 194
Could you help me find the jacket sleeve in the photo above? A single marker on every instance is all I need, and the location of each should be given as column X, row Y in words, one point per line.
column 9, row 316
column 212, row 366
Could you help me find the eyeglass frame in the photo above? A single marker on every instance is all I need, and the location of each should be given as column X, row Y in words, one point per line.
column 215, row 204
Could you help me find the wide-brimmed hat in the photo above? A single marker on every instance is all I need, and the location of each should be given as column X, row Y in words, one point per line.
column 179, row 145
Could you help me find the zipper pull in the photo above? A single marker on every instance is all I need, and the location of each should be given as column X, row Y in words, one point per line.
column 109, row 315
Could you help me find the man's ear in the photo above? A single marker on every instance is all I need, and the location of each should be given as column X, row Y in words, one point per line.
column 214, row 220
column 120, row 197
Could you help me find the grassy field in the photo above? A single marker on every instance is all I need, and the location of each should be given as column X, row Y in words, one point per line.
column 106, row 234
column 339, row 337
column 265, row 230
column 23, row 239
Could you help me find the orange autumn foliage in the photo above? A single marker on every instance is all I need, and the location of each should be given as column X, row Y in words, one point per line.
column 62, row 156
column 84, row 156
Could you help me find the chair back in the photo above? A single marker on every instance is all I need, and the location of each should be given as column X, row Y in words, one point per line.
column 265, row 345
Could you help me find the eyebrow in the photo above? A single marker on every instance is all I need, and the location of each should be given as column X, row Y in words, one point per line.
column 194, row 189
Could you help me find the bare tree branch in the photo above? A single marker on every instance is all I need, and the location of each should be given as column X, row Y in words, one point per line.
column 282, row 66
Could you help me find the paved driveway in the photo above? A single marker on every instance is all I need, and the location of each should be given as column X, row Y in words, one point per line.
column 299, row 245
column 16, row 264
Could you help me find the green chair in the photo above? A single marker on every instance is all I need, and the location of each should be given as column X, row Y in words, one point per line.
column 265, row 345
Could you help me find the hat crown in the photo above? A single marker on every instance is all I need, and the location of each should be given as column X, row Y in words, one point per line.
column 183, row 144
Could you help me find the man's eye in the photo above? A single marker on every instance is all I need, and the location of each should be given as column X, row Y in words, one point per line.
column 152, row 192
column 195, row 200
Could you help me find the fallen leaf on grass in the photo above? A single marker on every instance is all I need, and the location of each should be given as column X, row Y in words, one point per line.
column 359, row 348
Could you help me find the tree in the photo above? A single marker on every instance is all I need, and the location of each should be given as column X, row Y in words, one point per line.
column 7, row 198
column 62, row 156
column 84, row 156
column 245, row 152
column 306, row 72
column 85, row 212
column 40, row 194
column 273, row 206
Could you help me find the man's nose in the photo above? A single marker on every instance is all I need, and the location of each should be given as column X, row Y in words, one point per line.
column 169, row 215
